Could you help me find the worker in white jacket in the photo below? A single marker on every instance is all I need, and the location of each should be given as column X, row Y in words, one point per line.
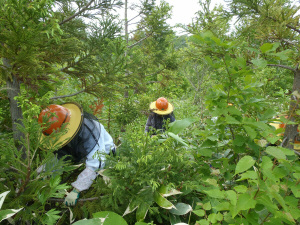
column 85, row 139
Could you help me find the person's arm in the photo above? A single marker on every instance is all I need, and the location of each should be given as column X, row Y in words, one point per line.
column 83, row 182
column 149, row 123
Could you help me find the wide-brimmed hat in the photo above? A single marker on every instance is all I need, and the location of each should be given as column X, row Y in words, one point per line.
column 156, row 107
column 71, row 127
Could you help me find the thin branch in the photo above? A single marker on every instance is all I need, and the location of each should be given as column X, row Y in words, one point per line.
column 139, row 41
column 282, row 66
column 79, row 200
column 135, row 17
column 287, row 25
column 75, row 63
column 76, row 14
column 137, row 29
column 76, row 93
column 291, row 43
column 65, row 96
column 156, row 72
column 152, row 82
column 20, row 171
column 293, row 28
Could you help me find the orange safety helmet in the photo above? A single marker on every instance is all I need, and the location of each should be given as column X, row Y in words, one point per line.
column 162, row 104
column 56, row 115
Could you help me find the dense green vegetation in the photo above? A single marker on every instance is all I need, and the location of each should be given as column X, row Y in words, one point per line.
column 226, row 83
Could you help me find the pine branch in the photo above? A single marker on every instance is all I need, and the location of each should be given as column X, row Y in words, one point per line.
column 139, row 41
column 287, row 25
column 76, row 93
column 137, row 29
column 76, row 14
column 75, row 63
column 70, row 95
column 20, row 171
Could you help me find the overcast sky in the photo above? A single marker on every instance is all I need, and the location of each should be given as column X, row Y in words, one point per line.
column 182, row 12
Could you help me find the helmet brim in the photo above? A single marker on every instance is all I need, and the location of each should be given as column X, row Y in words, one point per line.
column 72, row 127
column 154, row 109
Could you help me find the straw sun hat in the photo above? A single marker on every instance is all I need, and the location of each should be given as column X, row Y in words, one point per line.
column 68, row 115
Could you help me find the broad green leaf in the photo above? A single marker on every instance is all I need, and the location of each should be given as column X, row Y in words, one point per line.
column 245, row 201
column 174, row 219
column 209, row 61
column 248, row 175
column 205, row 152
column 231, row 196
column 140, row 223
column 199, row 212
column 276, row 152
column 141, row 211
column 181, row 209
column 202, row 222
column 2, row 197
column 263, row 198
column 231, row 120
column 240, row 188
column 283, row 55
column 268, row 114
column 241, row 62
column 162, row 202
column 109, row 218
column 239, row 140
column 177, row 138
column 250, row 131
column 166, row 191
column 208, row 144
column 296, row 190
column 266, row 166
column 274, row 193
column 179, row 125
column 234, row 111
column 215, row 193
column 97, row 221
column 223, row 206
column 244, row 164
column 7, row 213
column 131, row 207
column 286, row 151
column 260, row 63
column 212, row 218
column 266, row 47
column 296, row 175
column 207, row 206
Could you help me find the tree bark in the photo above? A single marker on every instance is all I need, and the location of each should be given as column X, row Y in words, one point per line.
column 291, row 132
column 13, row 90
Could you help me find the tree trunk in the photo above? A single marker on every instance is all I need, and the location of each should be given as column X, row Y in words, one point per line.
column 291, row 132
column 126, row 93
column 13, row 90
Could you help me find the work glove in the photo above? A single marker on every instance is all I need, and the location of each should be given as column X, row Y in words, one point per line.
column 72, row 197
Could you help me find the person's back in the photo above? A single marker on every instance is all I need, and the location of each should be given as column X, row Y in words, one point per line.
column 161, row 115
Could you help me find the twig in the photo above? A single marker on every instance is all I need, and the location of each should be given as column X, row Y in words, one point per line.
column 79, row 200
column 17, row 169
column 70, row 95
column 282, row 66
column 139, row 41
column 76, row 14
